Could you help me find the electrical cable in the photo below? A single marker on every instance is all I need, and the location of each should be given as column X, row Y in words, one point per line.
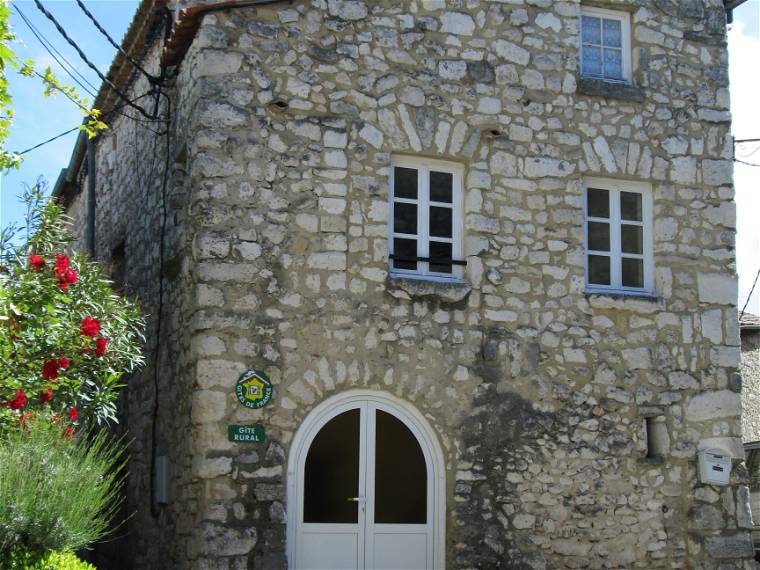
column 747, row 163
column 50, row 48
column 752, row 290
column 92, row 66
column 43, row 143
column 151, row 78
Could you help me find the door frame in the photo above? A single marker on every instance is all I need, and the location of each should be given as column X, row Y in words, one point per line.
column 405, row 412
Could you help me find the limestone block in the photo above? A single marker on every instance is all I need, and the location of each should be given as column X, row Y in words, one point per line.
column 217, row 62
column 208, row 468
column 717, row 288
column 208, row 406
column 220, row 540
column 457, row 23
column 737, row 545
column 713, row 405
column 712, row 325
column 218, row 373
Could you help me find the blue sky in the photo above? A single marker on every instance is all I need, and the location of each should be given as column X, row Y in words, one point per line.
column 38, row 119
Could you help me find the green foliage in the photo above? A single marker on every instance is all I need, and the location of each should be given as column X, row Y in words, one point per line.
column 8, row 59
column 57, row 493
column 41, row 324
column 26, row 560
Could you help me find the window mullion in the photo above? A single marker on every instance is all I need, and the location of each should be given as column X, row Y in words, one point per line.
column 616, row 257
column 423, row 217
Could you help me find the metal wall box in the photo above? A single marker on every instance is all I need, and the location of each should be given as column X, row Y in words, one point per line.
column 714, row 467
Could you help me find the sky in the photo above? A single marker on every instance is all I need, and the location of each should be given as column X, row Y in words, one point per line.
column 38, row 119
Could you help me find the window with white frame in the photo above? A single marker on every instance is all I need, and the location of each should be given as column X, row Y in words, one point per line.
column 425, row 219
column 605, row 45
column 618, row 232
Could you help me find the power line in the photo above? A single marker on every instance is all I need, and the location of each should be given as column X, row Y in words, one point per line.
column 50, row 48
column 92, row 66
column 43, row 143
column 738, row 141
column 750, row 294
column 745, row 162
column 151, row 78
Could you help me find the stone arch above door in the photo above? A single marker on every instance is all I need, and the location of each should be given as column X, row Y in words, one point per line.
column 378, row 401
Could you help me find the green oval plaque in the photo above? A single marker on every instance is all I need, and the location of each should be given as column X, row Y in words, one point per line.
column 254, row 389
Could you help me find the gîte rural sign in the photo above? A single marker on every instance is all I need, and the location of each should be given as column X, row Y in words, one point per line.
column 254, row 389
column 246, row 434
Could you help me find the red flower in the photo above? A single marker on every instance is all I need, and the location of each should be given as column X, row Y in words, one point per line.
column 100, row 346
column 68, row 277
column 90, row 327
column 46, row 396
column 73, row 414
column 61, row 265
column 63, row 362
column 50, row 369
column 36, row 262
column 86, row 350
column 17, row 402
column 69, row 432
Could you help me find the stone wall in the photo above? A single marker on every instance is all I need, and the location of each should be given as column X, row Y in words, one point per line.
column 276, row 259
column 750, row 371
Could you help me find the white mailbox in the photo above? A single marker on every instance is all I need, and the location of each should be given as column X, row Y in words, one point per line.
column 714, row 466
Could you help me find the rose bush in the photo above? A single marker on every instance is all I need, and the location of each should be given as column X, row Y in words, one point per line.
column 66, row 339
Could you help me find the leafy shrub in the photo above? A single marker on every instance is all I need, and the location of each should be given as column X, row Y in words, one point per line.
column 57, row 493
column 65, row 338
column 26, row 560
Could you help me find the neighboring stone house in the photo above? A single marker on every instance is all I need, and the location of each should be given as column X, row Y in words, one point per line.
column 749, row 326
column 483, row 251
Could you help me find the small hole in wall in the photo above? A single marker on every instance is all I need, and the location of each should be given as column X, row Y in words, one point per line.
column 278, row 105
column 658, row 440
column 492, row 132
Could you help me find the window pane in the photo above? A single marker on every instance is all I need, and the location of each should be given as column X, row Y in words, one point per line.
column 400, row 474
column 404, row 248
column 598, row 203
column 404, row 218
column 441, row 184
column 440, row 221
column 612, row 30
column 633, row 272
column 405, row 182
column 613, row 63
column 598, row 236
column 440, row 250
column 331, row 474
column 632, row 238
column 630, row 206
column 598, row 270
column 592, row 61
column 591, row 30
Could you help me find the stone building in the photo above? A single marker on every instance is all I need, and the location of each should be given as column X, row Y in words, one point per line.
column 483, row 251
column 749, row 327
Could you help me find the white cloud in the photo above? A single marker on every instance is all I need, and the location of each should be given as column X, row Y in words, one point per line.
column 744, row 49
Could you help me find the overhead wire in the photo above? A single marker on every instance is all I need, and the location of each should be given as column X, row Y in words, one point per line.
column 92, row 66
column 152, row 78
column 752, row 290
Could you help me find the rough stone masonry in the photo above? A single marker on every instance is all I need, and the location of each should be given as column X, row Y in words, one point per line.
column 267, row 248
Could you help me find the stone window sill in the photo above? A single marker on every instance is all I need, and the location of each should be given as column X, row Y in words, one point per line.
column 599, row 88
column 446, row 291
column 629, row 301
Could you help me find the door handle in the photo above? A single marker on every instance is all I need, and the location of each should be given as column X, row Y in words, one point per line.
column 357, row 499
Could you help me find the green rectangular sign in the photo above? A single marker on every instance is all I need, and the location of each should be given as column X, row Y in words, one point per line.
column 246, row 434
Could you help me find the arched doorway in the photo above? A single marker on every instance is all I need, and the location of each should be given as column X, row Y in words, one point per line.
column 366, row 485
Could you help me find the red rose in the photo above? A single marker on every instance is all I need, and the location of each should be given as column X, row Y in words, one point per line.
column 61, row 265
column 63, row 362
column 68, row 277
column 73, row 414
column 46, row 396
column 50, row 369
column 18, row 401
column 90, row 327
column 36, row 262
column 100, row 346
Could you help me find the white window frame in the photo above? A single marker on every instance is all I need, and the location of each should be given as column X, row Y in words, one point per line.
column 615, row 254
column 625, row 29
column 423, row 166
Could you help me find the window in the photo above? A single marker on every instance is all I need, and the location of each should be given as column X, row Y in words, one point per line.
column 605, row 45
column 618, row 236
column 425, row 221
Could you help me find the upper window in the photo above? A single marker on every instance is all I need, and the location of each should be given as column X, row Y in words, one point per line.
column 605, row 45
column 618, row 236
column 425, row 221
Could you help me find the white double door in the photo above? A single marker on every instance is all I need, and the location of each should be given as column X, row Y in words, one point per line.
column 364, row 493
